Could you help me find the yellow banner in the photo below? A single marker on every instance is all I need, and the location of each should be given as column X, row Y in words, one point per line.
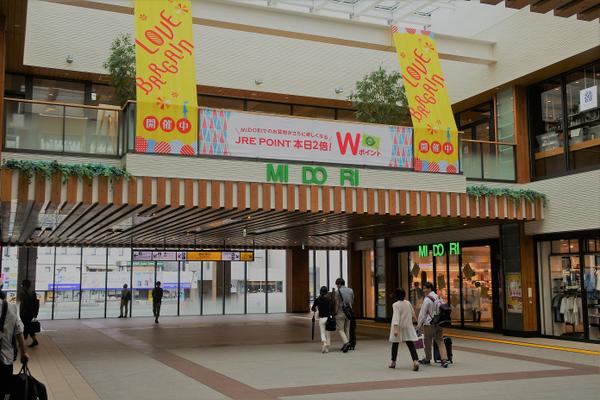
column 435, row 139
column 204, row 256
column 167, row 108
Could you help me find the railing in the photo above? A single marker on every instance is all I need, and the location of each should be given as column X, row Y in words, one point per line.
column 65, row 128
column 485, row 160
column 44, row 126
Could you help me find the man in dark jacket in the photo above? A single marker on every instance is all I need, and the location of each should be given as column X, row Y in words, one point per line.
column 125, row 299
column 29, row 308
column 157, row 295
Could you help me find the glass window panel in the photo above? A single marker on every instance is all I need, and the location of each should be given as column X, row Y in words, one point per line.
column 335, row 267
column 441, row 278
column 59, row 91
column 498, row 161
column 583, row 122
column 560, row 246
column 93, row 131
column 477, row 286
column 93, row 282
column 212, row 303
column 235, row 288
column 143, row 283
column 314, row 112
column 167, row 275
column 103, row 95
column 454, row 282
column 119, row 273
column 9, row 273
column 591, row 276
column 470, row 159
column 256, row 283
column 34, row 126
column 191, row 283
column 546, row 115
column 312, row 284
column 368, row 275
column 67, row 282
column 505, row 121
column 14, row 85
column 43, row 280
column 321, row 266
column 277, row 287
column 271, row 108
column 220, row 102
column 420, row 271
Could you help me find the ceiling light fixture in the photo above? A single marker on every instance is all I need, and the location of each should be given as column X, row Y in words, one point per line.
column 258, row 81
column 339, row 90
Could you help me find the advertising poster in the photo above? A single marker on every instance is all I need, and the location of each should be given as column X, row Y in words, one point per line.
column 436, row 136
column 167, row 108
column 239, row 134
column 514, row 293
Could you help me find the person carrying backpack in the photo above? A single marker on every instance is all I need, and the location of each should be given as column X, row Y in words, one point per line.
column 11, row 334
column 429, row 323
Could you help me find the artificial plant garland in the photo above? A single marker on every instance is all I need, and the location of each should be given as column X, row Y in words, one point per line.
column 49, row 168
column 515, row 194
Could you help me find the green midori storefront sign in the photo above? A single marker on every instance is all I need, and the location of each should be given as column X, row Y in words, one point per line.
column 440, row 249
column 312, row 175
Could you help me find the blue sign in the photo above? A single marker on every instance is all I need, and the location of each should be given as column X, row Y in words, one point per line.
column 63, row 286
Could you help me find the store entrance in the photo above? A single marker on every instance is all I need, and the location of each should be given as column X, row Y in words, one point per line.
column 467, row 279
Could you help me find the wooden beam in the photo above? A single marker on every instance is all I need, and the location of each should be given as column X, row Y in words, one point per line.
column 518, row 4
column 590, row 14
column 544, row 6
column 575, row 7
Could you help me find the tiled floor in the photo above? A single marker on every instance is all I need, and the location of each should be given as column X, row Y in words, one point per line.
column 272, row 357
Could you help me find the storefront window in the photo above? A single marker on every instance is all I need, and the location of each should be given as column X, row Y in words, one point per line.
column 569, row 273
column 477, row 286
column 583, row 119
column 421, row 271
column 557, row 102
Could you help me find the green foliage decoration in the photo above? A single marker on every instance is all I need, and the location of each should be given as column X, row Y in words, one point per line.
column 380, row 98
column 121, row 67
column 515, row 194
column 49, row 168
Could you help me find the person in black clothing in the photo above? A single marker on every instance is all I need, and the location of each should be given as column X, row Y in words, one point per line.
column 28, row 310
column 325, row 304
column 157, row 295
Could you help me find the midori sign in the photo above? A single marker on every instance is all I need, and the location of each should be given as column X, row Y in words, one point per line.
column 314, row 175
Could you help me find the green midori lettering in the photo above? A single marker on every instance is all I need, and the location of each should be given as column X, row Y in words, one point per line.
column 349, row 175
column 454, row 248
column 281, row 174
column 423, row 250
column 438, row 250
column 314, row 175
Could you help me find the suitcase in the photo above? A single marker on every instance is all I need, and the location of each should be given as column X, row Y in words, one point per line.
column 26, row 387
column 436, row 351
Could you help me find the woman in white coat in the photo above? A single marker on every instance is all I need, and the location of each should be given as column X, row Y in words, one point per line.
column 402, row 328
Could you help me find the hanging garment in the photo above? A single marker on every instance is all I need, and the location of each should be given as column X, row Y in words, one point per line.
column 556, row 302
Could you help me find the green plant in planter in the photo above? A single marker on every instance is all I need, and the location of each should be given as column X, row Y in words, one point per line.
column 121, row 67
column 49, row 168
column 515, row 194
column 380, row 98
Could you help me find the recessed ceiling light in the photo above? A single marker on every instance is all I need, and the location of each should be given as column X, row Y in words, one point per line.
column 402, row 222
column 465, row 223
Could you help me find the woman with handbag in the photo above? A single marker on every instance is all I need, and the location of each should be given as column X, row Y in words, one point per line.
column 402, row 328
column 325, row 304
column 28, row 310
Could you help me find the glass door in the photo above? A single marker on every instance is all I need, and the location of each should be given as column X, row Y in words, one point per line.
column 477, row 287
column 591, row 284
column 368, row 275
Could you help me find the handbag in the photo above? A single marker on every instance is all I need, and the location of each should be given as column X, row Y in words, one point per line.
column 26, row 387
column 419, row 343
column 346, row 309
column 35, row 326
column 330, row 325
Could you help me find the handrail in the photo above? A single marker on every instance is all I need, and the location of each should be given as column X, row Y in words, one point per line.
column 488, row 142
column 54, row 103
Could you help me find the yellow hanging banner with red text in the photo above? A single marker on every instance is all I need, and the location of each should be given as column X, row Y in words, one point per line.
column 167, row 107
column 435, row 135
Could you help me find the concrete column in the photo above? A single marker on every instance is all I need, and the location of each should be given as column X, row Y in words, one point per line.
column 355, row 280
column 297, row 281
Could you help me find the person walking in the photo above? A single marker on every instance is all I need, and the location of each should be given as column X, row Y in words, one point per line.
column 11, row 328
column 432, row 333
column 125, row 299
column 29, row 306
column 402, row 328
column 157, row 295
column 344, row 316
column 325, row 305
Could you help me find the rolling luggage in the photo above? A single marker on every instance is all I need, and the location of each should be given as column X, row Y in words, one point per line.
column 436, row 351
